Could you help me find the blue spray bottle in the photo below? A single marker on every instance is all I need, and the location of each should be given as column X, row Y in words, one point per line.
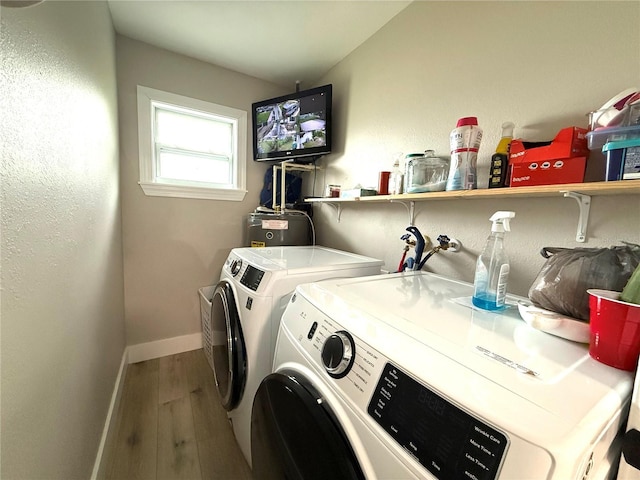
column 492, row 268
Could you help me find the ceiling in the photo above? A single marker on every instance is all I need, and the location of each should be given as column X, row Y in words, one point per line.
column 281, row 41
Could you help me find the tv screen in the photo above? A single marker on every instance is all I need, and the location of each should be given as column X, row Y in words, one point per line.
column 293, row 126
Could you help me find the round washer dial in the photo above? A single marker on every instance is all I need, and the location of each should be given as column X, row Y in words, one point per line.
column 338, row 354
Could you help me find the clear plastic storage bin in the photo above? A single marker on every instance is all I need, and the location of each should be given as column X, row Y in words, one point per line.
column 597, row 138
column 425, row 173
column 205, row 294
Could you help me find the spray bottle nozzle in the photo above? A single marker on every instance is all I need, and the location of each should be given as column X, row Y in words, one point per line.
column 507, row 129
column 501, row 221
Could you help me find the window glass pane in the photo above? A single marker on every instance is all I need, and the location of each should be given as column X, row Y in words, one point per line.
column 198, row 168
column 193, row 132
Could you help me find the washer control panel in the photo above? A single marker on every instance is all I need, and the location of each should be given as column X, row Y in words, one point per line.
column 353, row 364
column 446, row 440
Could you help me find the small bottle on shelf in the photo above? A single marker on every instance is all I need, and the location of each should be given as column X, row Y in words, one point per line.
column 396, row 179
column 499, row 172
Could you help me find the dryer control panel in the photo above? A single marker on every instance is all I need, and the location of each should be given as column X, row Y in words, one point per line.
column 250, row 276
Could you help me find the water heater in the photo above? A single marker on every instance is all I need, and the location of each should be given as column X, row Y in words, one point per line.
column 277, row 229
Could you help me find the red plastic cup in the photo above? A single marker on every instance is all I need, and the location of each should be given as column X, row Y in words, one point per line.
column 615, row 330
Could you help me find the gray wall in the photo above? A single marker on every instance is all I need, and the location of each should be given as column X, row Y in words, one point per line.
column 542, row 65
column 62, row 282
column 173, row 246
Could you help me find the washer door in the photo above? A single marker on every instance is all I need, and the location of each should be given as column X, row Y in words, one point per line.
column 295, row 436
column 229, row 359
column 630, row 459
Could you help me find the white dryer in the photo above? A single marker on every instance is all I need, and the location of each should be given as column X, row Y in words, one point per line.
column 254, row 289
column 399, row 376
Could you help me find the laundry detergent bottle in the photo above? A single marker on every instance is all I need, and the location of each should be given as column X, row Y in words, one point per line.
column 464, row 141
column 492, row 268
column 499, row 171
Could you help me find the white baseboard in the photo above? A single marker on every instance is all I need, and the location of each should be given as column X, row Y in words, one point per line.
column 134, row 354
column 109, row 424
column 162, row 348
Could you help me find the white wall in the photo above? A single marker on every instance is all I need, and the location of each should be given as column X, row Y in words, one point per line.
column 542, row 65
column 173, row 246
column 62, row 287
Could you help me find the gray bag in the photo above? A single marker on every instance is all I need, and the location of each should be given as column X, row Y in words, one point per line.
column 561, row 286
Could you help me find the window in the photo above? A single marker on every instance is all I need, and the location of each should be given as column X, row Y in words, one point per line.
column 190, row 148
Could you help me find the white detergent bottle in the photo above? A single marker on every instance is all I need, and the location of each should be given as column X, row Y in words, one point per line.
column 492, row 268
column 464, row 142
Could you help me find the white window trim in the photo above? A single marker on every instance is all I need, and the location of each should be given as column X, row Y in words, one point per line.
column 147, row 182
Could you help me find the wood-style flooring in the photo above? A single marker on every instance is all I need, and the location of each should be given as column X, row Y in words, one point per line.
column 170, row 425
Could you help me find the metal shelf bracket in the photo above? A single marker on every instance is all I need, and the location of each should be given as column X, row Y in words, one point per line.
column 584, row 204
column 338, row 208
column 411, row 209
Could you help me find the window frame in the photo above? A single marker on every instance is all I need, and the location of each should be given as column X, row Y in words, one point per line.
column 150, row 185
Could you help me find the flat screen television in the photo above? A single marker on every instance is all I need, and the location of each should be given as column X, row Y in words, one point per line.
column 295, row 126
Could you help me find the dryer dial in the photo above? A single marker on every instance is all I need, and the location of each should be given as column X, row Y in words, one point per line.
column 236, row 265
column 338, row 354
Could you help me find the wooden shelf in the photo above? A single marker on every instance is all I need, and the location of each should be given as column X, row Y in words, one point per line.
column 580, row 192
column 623, row 187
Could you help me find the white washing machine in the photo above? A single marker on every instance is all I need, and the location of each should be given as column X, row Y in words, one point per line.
column 400, row 377
column 630, row 459
column 254, row 289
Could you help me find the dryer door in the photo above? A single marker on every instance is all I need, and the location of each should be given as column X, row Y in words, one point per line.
column 229, row 359
column 295, row 435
